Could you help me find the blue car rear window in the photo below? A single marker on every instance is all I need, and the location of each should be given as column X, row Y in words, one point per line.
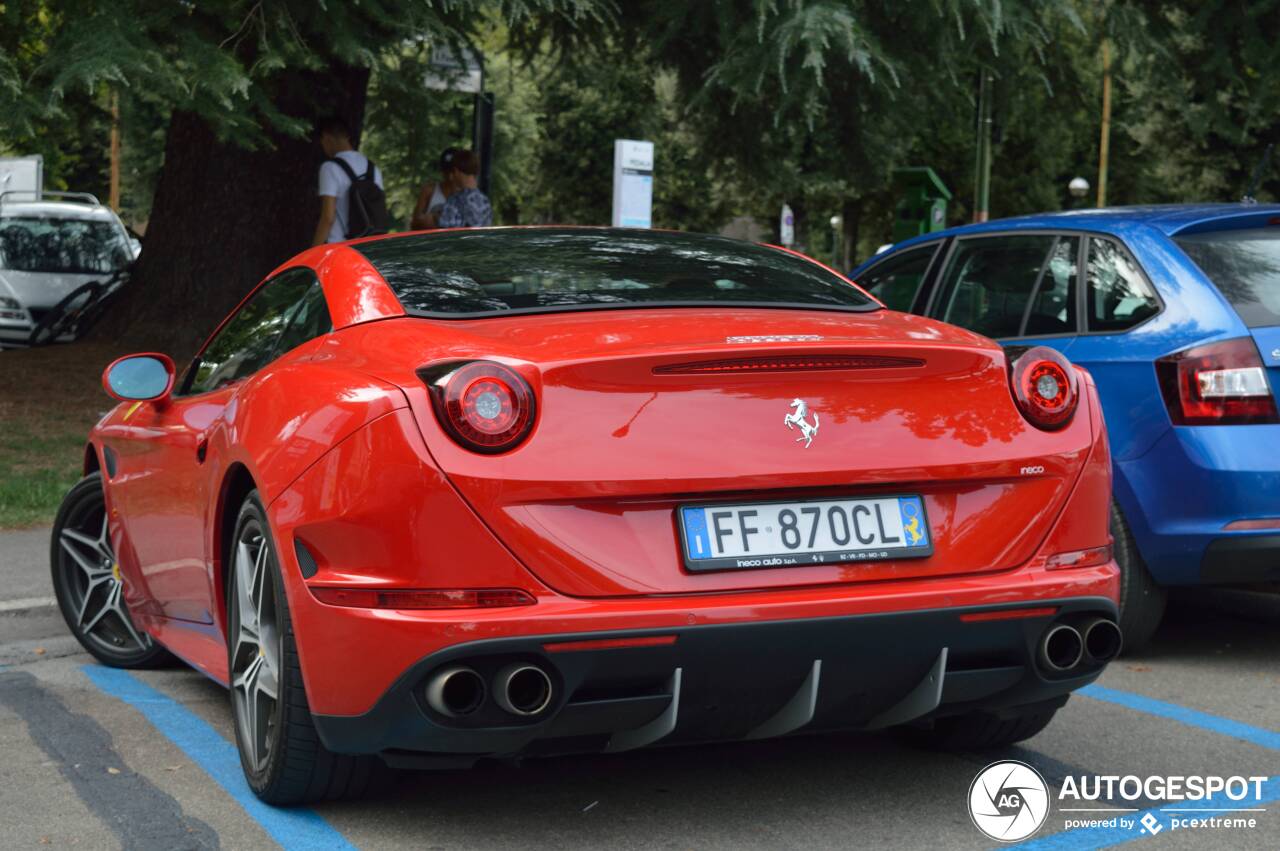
column 1245, row 267
column 469, row 273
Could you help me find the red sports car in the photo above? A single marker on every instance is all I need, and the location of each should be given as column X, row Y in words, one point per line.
column 436, row 498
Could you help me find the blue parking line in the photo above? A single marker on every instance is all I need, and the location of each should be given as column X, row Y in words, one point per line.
column 1205, row 721
column 1105, row 837
column 299, row 828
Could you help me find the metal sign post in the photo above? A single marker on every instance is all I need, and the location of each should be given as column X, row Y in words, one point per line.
column 462, row 70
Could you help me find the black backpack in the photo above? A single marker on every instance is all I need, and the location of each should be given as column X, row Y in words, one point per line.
column 366, row 203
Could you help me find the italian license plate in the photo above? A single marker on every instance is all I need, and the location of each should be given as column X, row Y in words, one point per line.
column 785, row 534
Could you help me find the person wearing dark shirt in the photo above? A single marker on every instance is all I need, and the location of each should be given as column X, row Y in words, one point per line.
column 467, row 206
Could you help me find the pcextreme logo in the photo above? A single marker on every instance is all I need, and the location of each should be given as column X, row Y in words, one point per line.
column 1008, row 801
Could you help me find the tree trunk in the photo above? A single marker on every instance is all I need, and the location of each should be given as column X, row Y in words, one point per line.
column 224, row 216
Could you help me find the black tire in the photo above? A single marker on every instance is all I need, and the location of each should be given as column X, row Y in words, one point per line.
column 65, row 316
column 980, row 731
column 296, row 767
column 1142, row 601
column 88, row 586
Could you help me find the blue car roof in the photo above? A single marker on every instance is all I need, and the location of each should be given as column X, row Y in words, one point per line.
column 1167, row 218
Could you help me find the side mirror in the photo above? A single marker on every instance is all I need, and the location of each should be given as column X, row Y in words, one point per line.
column 140, row 378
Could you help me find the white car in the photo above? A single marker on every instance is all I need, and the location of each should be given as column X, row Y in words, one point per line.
column 49, row 249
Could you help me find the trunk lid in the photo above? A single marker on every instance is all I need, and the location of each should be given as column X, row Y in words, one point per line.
column 1268, row 340
column 627, row 431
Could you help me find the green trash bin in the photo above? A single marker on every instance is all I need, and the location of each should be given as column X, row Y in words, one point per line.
column 922, row 202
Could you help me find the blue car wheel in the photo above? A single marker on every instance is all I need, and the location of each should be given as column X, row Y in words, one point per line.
column 1142, row 601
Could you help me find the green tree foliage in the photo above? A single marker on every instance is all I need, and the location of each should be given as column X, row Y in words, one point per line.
column 818, row 100
column 557, row 118
column 242, row 84
column 1203, row 108
column 750, row 102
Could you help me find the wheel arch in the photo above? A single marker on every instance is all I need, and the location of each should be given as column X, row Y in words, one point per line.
column 91, row 464
column 237, row 484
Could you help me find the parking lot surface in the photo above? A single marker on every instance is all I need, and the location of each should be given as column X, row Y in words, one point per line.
column 96, row 758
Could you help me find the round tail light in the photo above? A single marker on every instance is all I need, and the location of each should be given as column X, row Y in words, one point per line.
column 1045, row 387
column 484, row 406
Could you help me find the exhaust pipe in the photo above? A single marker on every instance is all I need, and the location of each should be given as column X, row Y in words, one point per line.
column 1102, row 640
column 1061, row 648
column 455, row 691
column 522, row 689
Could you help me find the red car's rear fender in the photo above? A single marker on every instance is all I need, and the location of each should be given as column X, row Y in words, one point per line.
column 376, row 513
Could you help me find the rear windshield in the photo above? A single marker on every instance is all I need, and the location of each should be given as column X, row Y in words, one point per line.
column 1245, row 266
column 488, row 272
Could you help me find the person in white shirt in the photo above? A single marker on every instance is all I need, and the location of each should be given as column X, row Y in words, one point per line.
column 335, row 184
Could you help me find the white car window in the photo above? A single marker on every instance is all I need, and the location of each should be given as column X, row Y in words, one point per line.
column 62, row 245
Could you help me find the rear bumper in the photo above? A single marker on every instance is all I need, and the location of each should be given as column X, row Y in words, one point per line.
column 1241, row 560
column 725, row 681
column 1179, row 496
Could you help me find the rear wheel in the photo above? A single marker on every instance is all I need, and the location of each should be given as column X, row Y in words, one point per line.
column 980, row 731
column 88, row 586
column 283, row 758
column 1142, row 601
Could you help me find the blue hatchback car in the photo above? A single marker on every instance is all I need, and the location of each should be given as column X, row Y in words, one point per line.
column 1175, row 310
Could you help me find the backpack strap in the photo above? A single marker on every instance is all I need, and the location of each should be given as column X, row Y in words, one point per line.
column 342, row 164
column 368, row 172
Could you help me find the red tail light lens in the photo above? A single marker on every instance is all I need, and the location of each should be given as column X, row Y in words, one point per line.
column 484, row 406
column 1045, row 388
column 1218, row 384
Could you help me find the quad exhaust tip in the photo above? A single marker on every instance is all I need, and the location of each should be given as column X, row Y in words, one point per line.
column 522, row 689
column 455, row 691
column 1102, row 640
column 1061, row 648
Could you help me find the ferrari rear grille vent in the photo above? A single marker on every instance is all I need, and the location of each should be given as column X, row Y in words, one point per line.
column 787, row 363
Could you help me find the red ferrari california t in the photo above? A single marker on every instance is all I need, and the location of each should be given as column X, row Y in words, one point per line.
column 435, row 498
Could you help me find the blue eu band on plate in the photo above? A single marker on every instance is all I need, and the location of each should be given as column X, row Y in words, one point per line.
column 803, row 532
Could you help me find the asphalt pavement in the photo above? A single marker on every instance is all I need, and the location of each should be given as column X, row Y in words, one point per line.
column 95, row 758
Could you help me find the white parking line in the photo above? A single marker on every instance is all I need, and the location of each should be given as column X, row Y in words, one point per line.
column 27, row 603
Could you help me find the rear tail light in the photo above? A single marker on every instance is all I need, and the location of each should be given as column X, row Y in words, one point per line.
column 1218, row 384
column 484, row 406
column 1045, row 387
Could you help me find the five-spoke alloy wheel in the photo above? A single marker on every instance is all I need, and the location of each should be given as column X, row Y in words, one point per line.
column 256, row 649
column 88, row 585
column 283, row 758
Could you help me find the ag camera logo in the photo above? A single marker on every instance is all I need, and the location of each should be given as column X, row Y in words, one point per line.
column 1008, row 801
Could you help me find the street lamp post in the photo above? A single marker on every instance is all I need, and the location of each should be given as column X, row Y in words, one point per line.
column 837, row 237
column 1078, row 187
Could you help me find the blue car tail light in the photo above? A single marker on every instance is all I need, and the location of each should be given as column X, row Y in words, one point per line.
column 1217, row 384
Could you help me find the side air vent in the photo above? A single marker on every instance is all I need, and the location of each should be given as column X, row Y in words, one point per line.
column 788, row 363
